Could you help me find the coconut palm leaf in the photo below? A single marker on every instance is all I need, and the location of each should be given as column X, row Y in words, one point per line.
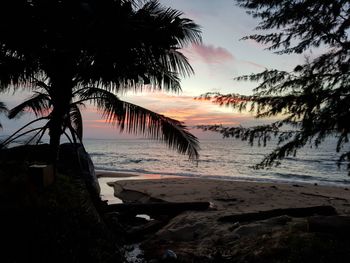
column 76, row 120
column 154, row 58
column 179, row 31
column 136, row 119
column 177, row 62
column 40, row 104
column 15, row 71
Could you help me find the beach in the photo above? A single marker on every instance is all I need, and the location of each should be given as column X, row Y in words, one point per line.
column 239, row 196
column 199, row 232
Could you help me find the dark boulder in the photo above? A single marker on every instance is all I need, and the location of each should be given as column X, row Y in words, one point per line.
column 74, row 159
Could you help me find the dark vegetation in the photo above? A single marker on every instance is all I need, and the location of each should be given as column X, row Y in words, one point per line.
column 312, row 101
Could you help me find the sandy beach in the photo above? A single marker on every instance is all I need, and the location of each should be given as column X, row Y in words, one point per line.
column 199, row 232
column 239, row 196
column 108, row 174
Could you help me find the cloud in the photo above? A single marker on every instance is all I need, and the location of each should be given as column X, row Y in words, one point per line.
column 253, row 64
column 201, row 116
column 182, row 108
column 195, row 112
column 210, row 54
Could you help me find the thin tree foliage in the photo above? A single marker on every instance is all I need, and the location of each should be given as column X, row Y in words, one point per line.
column 312, row 102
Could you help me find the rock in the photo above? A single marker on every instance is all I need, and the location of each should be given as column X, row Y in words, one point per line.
column 73, row 157
column 181, row 233
column 260, row 228
column 279, row 220
column 298, row 225
column 329, row 224
column 253, row 229
column 169, row 256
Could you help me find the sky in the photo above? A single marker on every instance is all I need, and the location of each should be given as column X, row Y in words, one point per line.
column 221, row 57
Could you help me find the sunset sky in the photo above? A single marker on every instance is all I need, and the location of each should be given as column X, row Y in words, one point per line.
column 220, row 58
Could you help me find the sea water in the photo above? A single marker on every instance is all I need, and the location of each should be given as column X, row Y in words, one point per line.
column 225, row 159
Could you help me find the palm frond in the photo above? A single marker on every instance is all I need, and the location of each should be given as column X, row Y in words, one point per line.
column 183, row 31
column 39, row 103
column 149, row 57
column 165, row 41
column 135, row 119
column 76, row 120
column 175, row 61
column 17, row 133
column 160, row 76
column 15, row 71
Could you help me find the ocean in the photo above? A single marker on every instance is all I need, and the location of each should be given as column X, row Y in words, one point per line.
column 225, row 159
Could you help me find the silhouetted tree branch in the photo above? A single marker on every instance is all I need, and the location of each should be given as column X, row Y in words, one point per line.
column 312, row 102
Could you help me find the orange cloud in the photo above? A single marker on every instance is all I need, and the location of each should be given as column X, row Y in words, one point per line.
column 97, row 121
column 199, row 112
column 180, row 115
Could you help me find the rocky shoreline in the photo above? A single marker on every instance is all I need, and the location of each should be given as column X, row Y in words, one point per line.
column 200, row 236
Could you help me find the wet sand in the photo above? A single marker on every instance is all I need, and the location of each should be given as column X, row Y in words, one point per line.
column 241, row 197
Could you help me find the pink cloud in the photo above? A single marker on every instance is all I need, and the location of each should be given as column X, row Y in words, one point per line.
column 211, row 54
column 215, row 55
column 192, row 14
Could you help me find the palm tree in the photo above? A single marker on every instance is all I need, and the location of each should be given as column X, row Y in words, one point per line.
column 128, row 116
column 91, row 50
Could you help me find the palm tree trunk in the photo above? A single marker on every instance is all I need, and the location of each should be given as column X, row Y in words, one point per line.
column 55, row 132
column 61, row 99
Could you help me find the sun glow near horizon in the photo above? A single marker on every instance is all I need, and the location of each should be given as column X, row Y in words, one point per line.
column 182, row 108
